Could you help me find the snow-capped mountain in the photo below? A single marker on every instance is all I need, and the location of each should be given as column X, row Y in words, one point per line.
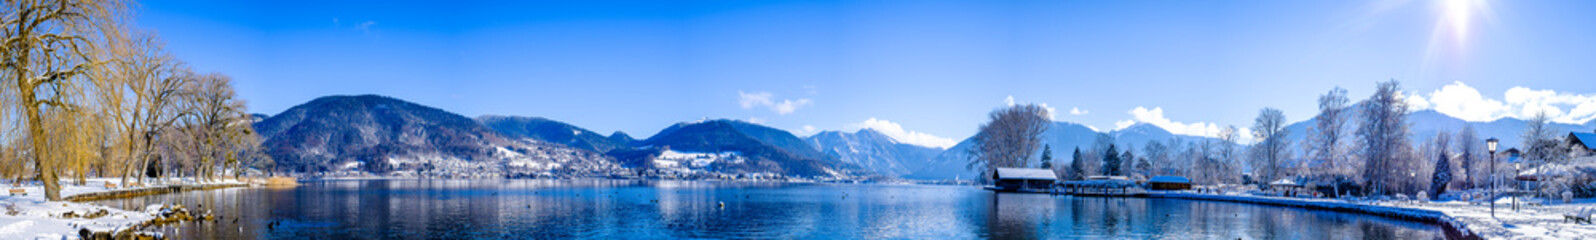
column 767, row 150
column 873, row 151
column 381, row 134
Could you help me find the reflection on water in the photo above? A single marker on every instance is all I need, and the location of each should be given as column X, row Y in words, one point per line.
column 611, row 209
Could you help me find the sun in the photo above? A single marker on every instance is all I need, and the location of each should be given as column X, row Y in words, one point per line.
column 1457, row 14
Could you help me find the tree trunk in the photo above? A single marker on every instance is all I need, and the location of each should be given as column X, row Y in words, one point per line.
column 47, row 175
column 127, row 166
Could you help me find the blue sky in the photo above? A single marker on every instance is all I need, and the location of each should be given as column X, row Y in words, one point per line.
column 933, row 69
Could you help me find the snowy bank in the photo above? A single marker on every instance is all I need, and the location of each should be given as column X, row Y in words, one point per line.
column 32, row 217
column 1460, row 219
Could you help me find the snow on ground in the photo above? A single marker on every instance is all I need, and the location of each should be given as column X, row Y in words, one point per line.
column 1529, row 222
column 32, row 217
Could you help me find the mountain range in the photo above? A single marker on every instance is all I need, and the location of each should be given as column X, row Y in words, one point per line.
column 381, row 134
column 1062, row 137
column 873, row 150
column 543, row 129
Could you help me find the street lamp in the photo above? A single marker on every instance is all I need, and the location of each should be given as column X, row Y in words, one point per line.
column 1490, row 144
column 1517, row 169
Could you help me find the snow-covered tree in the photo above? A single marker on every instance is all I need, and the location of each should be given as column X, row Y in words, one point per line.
column 1152, row 154
column 1143, row 166
column 1443, row 165
column 1542, row 149
column 1126, row 160
column 1156, row 153
column 1383, row 136
column 1327, row 137
column 1270, row 128
column 1537, row 128
column 1468, row 143
column 1227, row 153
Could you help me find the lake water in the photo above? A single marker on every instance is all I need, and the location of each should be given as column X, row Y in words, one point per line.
column 627, row 209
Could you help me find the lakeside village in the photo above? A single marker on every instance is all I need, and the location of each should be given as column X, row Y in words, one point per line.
column 1512, row 210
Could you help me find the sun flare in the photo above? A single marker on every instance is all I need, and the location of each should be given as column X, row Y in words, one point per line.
column 1457, row 14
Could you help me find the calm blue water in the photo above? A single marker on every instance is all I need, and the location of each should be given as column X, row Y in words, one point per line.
column 625, row 209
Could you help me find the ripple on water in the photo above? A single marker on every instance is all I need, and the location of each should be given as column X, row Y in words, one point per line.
column 611, row 209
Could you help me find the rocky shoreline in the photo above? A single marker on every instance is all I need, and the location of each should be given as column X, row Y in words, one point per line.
column 31, row 216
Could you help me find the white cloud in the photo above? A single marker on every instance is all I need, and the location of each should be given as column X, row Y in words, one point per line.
column 1416, row 101
column 765, row 99
column 756, row 120
column 897, row 132
column 1077, row 111
column 365, row 27
column 1052, row 113
column 805, row 131
column 1464, row 102
column 1156, row 117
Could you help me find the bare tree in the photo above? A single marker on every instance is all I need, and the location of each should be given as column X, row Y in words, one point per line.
column 1468, row 146
column 215, row 121
column 1270, row 129
column 1538, row 128
column 1009, row 138
column 1326, row 137
column 1383, row 135
column 1095, row 158
column 1155, row 152
column 1227, row 152
column 50, row 45
column 141, row 99
column 1541, row 148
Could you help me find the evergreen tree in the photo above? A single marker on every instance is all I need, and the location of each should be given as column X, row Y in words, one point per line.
column 1047, row 156
column 1076, row 165
column 1111, row 161
column 1443, row 174
column 1443, row 164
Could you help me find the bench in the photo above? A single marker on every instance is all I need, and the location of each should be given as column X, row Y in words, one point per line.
column 19, row 191
column 1582, row 216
